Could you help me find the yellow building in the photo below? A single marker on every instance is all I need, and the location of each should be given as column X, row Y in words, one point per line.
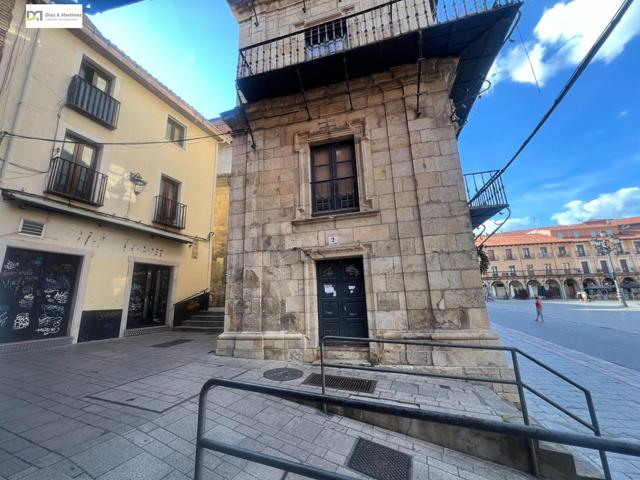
column 561, row 262
column 98, row 238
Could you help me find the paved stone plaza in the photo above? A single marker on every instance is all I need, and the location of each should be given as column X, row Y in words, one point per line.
column 124, row 409
column 597, row 328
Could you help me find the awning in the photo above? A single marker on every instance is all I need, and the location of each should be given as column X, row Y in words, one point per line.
column 44, row 203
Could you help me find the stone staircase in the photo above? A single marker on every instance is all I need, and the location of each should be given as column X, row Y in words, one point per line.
column 207, row 321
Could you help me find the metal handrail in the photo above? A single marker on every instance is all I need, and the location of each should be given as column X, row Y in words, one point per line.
column 594, row 426
column 530, row 433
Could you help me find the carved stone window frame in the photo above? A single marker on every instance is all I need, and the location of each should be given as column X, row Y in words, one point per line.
column 303, row 141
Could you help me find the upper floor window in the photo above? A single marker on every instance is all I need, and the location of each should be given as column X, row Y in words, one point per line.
column 526, row 253
column 334, row 182
column 512, row 269
column 96, row 77
column 491, row 254
column 580, row 250
column 562, row 250
column 326, row 39
column 508, row 254
column 168, row 210
column 74, row 173
column 636, row 245
column 576, row 234
column 494, row 271
column 176, row 132
column 544, row 252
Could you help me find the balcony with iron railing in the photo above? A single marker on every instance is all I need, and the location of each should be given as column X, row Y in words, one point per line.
column 170, row 212
column 93, row 102
column 376, row 39
column 518, row 273
column 491, row 199
column 76, row 181
column 335, row 196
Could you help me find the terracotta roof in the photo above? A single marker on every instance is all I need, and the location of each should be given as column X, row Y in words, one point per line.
column 541, row 235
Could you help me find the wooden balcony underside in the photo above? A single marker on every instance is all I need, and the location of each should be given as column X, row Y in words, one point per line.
column 475, row 39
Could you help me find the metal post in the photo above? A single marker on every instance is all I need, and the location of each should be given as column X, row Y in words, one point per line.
column 619, row 294
column 596, row 430
column 533, row 456
column 324, row 405
column 202, row 418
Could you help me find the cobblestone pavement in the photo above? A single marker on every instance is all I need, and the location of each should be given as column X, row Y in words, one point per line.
column 615, row 390
column 125, row 409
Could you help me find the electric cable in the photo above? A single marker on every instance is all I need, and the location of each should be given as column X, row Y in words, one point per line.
column 565, row 90
column 148, row 142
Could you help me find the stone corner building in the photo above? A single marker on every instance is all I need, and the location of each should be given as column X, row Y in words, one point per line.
column 348, row 210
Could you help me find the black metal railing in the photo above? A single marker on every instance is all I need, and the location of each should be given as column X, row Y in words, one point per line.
column 591, row 424
column 335, row 195
column 77, row 181
column 170, row 212
column 391, row 19
column 92, row 101
column 493, row 195
column 195, row 303
column 528, row 432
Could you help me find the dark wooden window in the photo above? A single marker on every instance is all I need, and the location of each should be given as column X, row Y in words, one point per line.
column 326, row 39
column 96, row 77
column 334, row 182
column 175, row 131
column 168, row 210
column 74, row 174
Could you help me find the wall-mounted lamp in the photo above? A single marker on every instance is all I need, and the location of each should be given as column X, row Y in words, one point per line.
column 138, row 182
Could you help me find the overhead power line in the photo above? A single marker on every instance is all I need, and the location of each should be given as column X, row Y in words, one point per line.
column 149, row 142
column 574, row 78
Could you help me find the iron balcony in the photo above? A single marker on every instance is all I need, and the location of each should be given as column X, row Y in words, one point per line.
column 374, row 40
column 79, row 182
column 545, row 272
column 93, row 102
column 492, row 199
column 170, row 212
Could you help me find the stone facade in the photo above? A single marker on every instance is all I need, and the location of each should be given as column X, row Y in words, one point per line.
column 413, row 229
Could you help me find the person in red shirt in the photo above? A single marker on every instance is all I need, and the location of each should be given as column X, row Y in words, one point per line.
column 538, row 304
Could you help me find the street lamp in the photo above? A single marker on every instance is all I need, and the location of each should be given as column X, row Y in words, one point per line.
column 605, row 245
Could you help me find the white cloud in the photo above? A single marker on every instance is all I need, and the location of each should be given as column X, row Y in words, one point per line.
column 621, row 203
column 513, row 223
column 562, row 37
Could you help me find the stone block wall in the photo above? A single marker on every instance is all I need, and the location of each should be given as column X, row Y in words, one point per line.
column 413, row 229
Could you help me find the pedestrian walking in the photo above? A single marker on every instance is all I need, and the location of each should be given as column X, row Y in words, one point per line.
column 538, row 304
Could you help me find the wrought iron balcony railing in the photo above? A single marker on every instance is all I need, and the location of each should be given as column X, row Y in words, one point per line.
column 93, row 102
column 170, row 212
column 535, row 273
column 375, row 24
column 333, row 196
column 76, row 181
column 485, row 199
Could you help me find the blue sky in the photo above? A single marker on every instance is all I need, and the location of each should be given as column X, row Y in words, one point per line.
column 584, row 164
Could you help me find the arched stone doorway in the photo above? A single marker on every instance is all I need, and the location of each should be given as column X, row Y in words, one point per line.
column 571, row 288
column 553, row 289
column 589, row 283
column 631, row 288
column 517, row 290
column 499, row 290
column 533, row 286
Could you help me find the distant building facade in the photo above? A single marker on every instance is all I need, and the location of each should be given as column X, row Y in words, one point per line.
column 97, row 239
column 560, row 261
column 348, row 211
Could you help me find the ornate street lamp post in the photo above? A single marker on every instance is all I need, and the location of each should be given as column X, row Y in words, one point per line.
column 605, row 245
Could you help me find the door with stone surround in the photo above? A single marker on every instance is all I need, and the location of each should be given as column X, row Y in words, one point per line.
column 342, row 306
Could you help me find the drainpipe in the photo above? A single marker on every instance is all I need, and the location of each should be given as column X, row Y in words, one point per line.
column 21, row 98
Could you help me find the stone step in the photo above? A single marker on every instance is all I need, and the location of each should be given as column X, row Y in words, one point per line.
column 208, row 315
column 185, row 328
column 204, row 323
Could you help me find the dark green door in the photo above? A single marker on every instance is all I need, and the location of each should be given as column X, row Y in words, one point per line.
column 342, row 306
column 36, row 294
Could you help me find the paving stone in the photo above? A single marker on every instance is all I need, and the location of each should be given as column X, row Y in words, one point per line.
column 106, row 456
column 11, row 466
column 141, row 467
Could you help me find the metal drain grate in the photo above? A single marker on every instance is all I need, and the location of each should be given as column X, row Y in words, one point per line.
column 380, row 462
column 172, row 343
column 351, row 384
